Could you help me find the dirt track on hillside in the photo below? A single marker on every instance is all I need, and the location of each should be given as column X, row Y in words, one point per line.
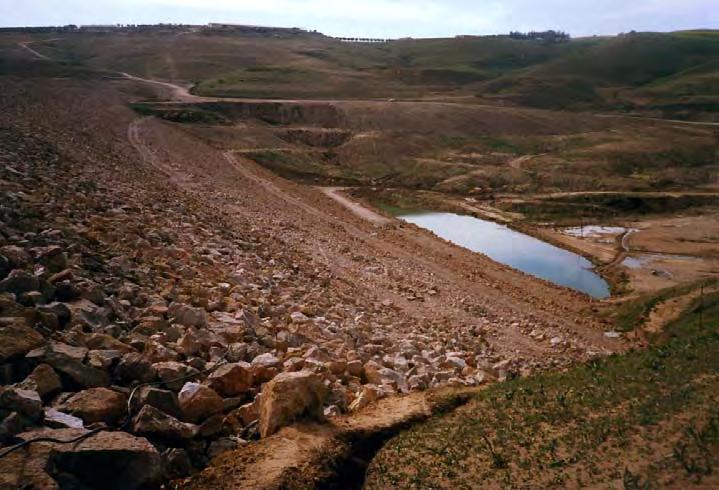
column 361, row 211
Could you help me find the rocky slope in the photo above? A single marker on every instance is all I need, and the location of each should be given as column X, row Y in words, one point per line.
column 161, row 305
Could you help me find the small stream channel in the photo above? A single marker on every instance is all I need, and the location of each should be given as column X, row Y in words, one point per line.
column 523, row 252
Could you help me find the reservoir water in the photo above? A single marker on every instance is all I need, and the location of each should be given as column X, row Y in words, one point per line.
column 515, row 249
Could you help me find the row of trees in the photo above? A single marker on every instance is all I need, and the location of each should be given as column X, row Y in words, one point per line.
column 549, row 36
column 363, row 40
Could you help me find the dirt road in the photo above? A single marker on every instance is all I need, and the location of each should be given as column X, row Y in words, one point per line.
column 361, row 211
column 518, row 162
column 36, row 54
column 659, row 119
column 177, row 92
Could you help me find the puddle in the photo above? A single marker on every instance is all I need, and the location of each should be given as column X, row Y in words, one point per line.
column 515, row 249
column 643, row 260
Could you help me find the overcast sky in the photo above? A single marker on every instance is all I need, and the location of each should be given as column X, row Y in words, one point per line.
column 381, row 18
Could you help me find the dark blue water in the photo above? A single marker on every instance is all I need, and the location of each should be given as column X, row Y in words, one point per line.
column 515, row 249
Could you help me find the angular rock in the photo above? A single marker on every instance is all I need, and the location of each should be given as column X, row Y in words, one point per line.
column 231, row 379
column 176, row 464
column 336, row 367
column 172, row 372
column 289, row 397
column 16, row 256
column 371, row 374
column 20, row 281
column 103, row 359
column 60, row 420
column 354, row 368
column 60, row 311
column 189, row 344
column 187, row 315
column 68, row 360
column 25, row 402
column 152, row 422
column 223, row 445
column 97, row 405
column 265, row 367
column 163, row 400
column 66, row 291
column 134, row 367
column 12, row 425
column 198, row 402
column 246, row 414
column 212, row 426
column 369, row 394
column 17, row 339
column 108, row 460
column 45, row 380
column 98, row 341
column 53, row 258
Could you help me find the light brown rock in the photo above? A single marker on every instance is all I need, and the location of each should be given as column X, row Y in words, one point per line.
column 231, row 379
column 198, row 402
column 97, row 405
column 289, row 397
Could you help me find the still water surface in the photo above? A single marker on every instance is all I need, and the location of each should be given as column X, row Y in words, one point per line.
column 515, row 249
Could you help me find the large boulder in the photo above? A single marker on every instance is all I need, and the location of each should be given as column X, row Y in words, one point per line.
column 154, row 423
column 108, row 460
column 198, row 402
column 16, row 338
column 97, row 405
column 290, row 397
column 231, row 379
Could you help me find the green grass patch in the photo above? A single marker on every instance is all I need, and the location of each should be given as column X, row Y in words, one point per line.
column 647, row 419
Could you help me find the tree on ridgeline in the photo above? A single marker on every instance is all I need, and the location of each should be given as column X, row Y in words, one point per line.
column 551, row 36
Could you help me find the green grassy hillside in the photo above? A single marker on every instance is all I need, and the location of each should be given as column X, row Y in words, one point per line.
column 636, row 71
column 665, row 74
column 644, row 420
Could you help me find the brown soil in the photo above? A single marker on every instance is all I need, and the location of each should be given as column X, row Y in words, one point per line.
column 299, row 456
column 669, row 311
